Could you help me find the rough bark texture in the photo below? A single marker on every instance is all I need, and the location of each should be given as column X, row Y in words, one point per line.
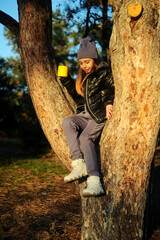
column 51, row 102
column 129, row 138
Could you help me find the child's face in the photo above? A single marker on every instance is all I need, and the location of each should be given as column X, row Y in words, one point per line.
column 87, row 64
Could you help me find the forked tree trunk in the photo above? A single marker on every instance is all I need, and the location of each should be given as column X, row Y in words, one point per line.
column 129, row 138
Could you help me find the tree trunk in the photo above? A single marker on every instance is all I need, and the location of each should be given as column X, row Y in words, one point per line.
column 105, row 36
column 87, row 19
column 51, row 102
column 129, row 138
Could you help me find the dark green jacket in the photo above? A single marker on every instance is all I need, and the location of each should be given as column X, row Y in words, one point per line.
column 98, row 92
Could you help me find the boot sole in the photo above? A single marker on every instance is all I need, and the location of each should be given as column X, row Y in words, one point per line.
column 72, row 180
column 93, row 195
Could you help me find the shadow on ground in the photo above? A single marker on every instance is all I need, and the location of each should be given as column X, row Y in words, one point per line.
column 155, row 201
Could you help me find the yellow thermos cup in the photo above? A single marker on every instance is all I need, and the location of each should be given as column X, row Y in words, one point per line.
column 62, row 71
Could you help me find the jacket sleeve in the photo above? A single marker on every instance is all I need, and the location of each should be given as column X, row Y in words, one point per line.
column 69, row 83
column 109, row 88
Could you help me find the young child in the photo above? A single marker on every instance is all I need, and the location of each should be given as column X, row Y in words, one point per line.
column 95, row 84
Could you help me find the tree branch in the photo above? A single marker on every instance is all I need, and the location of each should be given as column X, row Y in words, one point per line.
column 10, row 23
column 111, row 3
column 114, row 4
column 87, row 18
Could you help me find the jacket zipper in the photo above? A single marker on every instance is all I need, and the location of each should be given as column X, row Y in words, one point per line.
column 87, row 101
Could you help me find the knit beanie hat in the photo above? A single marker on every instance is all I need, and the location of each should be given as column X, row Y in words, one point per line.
column 87, row 49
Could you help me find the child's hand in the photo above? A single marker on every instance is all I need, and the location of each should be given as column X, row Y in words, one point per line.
column 62, row 79
column 109, row 111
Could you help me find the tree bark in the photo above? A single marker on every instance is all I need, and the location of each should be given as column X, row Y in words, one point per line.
column 129, row 138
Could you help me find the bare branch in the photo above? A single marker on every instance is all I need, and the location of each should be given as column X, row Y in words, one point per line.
column 10, row 23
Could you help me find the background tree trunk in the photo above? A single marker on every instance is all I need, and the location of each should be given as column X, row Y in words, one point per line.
column 129, row 138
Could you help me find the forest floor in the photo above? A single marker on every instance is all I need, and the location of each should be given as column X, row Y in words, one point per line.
column 35, row 203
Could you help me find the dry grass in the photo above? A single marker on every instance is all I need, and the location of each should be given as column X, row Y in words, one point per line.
column 37, row 204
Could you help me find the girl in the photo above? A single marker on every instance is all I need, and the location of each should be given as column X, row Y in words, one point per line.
column 95, row 84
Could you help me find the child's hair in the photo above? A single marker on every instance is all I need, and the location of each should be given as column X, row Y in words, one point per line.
column 81, row 77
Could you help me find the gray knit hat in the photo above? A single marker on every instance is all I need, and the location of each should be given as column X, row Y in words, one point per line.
column 87, row 49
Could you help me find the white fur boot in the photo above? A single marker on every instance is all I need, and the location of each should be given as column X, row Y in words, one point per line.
column 79, row 170
column 94, row 187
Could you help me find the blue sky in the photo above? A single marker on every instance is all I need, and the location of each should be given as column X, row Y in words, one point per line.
column 11, row 8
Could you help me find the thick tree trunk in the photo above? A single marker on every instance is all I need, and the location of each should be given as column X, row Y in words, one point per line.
column 51, row 102
column 129, row 138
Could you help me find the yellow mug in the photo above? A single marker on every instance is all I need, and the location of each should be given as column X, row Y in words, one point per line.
column 62, row 71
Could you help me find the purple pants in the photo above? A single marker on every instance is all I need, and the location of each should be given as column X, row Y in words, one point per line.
column 81, row 133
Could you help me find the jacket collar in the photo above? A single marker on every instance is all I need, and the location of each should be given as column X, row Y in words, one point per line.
column 102, row 64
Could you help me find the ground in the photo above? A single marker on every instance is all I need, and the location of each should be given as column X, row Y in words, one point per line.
column 35, row 203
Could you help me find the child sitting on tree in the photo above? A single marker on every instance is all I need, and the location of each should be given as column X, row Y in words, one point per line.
column 95, row 84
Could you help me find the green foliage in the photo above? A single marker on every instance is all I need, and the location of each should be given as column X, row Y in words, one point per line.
column 12, row 41
column 17, row 116
column 65, row 38
column 9, row 98
column 94, row 19
column 61, row 34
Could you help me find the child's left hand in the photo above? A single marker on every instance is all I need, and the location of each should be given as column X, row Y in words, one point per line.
column 109, row 111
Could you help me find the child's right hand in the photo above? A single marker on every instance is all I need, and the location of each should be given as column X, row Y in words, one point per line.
column 109, row 111
column 62, row 78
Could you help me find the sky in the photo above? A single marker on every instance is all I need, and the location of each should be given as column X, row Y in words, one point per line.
column 11, row 8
